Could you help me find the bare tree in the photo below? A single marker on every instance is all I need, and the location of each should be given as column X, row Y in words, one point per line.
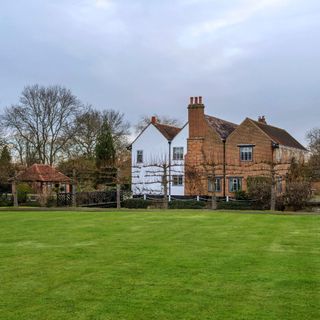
column 119, row 127
column 145, row 120
column 44, row 119
column 313, row 137
column 89, row 123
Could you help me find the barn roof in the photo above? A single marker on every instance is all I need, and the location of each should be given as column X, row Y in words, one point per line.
column 42, row 173
column 222, row 127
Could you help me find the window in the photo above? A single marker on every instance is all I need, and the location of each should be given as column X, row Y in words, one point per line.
column 246, row 153
column 139, row 156
column 217, row 184
column 177, row 180
column 235, row 184
column 177, row 153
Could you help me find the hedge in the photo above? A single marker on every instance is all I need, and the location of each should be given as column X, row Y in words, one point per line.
column 187, row 204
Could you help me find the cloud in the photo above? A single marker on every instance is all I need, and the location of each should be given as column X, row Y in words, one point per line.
column 104, row 4
column 234, row 17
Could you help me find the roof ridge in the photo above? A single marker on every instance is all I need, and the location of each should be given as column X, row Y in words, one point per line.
column 167, row 125
column 269, row 125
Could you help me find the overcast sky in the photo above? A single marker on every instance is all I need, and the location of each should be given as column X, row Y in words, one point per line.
column 245, row 57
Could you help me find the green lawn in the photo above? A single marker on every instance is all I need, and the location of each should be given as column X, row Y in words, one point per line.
column 159, row 265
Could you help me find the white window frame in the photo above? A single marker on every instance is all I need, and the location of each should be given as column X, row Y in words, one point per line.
column 139, row 154
column 235, row 184
column 177, row 180
column 246, row 153
column 177, row 153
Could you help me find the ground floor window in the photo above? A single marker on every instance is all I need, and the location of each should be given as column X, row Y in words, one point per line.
column 216, row 184
column 235, row 184
column 177, row 180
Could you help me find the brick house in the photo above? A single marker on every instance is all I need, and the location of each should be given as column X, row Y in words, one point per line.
column 214, row 154
column 222, row 155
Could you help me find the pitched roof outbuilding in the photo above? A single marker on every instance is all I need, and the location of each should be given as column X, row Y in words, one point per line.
column 42, row 173
column 279, row 135
column 222, row 127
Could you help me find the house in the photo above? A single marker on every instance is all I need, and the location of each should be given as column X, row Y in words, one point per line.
column 210, row 155
column 159, row 151
column 235, row 152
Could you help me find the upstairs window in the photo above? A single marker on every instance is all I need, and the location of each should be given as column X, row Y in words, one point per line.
column 246, row 153
column 177, row 180
column 139, row 156
column 177, row 153
column 216, row 184
column 235, row 184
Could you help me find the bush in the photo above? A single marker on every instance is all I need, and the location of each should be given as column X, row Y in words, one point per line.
column 187, row 204
column 297, row 194
column 236, row 205
column 136, row 203
column 241, row 195
column 259, row 189
column 22, row 190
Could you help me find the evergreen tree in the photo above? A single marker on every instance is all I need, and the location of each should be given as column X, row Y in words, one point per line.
column 105, row 150
column 5, row 156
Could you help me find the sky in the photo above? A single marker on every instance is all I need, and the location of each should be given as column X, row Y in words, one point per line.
column 245, row 58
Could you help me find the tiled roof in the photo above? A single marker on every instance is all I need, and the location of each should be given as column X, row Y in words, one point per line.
column 279, row 136
column 42, row 173
column 168, row 131
column 222, row 127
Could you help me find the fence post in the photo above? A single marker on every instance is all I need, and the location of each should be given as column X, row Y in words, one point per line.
column 169, row 197
column 144, row 197
column 198, row 198
column 227, row 198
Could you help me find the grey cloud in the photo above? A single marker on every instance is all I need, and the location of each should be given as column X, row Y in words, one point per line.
column 145, row 57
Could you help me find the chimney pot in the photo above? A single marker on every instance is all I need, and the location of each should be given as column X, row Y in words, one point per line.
column 196, row 100
column 200, row 100
column 191, row 100
column 153, row 119
column 262, row 119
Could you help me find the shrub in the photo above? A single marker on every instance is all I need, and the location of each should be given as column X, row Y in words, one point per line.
column 236, row 205
column 136, row 203
column 297, row 194
column 259, row 189
column 241, row 195
column 186, row 204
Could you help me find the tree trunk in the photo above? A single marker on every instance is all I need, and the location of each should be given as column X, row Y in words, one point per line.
column 165, row 188
column 74, row 188
column 273, row 190
column 213, row 201
column 15, row 194
column 118, row 196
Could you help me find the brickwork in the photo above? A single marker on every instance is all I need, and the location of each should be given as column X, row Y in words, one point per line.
column 205, row 154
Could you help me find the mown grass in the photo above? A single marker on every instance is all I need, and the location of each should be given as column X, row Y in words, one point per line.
column 159, row 265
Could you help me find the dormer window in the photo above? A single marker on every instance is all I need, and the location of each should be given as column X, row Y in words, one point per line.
column 246, row 152
column 139, row 156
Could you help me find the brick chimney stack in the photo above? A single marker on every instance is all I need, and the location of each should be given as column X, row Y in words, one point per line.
column 196, row 117
column 262, row 119
column 153, row 120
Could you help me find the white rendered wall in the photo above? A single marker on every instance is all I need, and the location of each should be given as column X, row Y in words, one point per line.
column 146, row 178
column 177, row 167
